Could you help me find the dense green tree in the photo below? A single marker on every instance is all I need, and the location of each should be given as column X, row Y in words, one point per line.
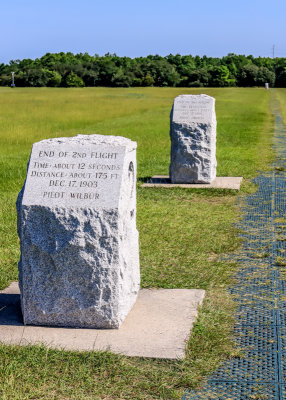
column 90, row 76
column 82, row 69
column 54, row 78
column 107, row 69
column 248, row 75
column 281, row 78
column 73, row 80
column 147, row 80
column 35, row 77
column 265, row 75
column 197, row 78
column 122, row 78
column 251, row 75
column 221, row 76
column 5, row 79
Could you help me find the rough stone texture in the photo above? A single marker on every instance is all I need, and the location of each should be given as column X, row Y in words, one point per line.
column 193, row 139
column 79, row 264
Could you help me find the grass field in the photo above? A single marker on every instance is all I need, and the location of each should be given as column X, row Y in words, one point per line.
column 183, row 233
column 281, row 96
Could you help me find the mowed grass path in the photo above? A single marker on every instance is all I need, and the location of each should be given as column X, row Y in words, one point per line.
column 281, row 96
column 183, row 233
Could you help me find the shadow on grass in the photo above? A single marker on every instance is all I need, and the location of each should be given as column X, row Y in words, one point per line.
column 10, row 309
column 143, row 179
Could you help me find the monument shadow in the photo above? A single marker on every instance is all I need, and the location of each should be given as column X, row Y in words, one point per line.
column 10, row 309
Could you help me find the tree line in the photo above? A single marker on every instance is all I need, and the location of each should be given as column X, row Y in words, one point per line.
column 79, row 70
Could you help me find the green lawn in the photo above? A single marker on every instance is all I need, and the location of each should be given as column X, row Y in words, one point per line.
column 183, row 233
column 281, row 96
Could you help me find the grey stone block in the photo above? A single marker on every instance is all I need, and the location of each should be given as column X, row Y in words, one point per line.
column 193, row 139
column 79, row 264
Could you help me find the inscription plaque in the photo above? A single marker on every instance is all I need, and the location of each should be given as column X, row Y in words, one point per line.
column 77, row 175
column 188, row 109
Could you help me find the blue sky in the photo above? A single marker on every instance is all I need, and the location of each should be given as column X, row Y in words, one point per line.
column 31, row 28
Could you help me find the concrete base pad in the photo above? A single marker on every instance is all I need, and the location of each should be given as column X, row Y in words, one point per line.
column 158, row 325
column 223, row 182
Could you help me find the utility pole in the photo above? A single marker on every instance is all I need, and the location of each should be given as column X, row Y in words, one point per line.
column 273, row 50
column 13, row 84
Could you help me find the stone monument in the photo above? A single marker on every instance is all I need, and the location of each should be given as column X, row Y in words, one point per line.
column 193, row 139
column 79, row 264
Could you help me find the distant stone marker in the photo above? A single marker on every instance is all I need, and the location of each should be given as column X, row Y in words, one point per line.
column 193, row 139
column 79, row 264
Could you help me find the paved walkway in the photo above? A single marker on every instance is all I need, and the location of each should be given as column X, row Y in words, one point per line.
column 260, row 292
